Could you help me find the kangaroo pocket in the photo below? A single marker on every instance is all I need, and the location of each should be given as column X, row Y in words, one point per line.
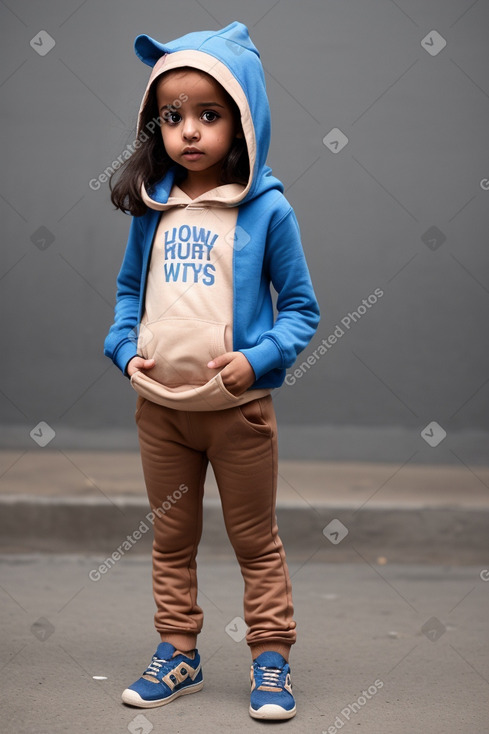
column 213, row 395
column 180, row 378
column 181, row 348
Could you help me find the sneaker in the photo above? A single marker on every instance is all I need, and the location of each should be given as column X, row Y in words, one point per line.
column 165, row 679
column 271, row 688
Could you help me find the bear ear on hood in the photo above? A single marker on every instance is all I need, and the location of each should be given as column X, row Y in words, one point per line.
column 235, row 36
column 149, row 50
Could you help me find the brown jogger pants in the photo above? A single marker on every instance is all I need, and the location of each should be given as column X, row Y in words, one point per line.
column 241, row 444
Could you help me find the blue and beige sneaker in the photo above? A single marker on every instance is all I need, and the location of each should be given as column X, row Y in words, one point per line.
column 271, row 688
column 165, row 679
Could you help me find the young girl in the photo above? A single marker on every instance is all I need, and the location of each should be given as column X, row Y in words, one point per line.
column 211, row 230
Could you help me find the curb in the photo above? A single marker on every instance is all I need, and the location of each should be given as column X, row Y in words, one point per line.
column 380, row 534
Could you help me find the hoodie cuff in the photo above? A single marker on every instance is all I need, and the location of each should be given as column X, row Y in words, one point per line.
column 264, row 357
column 124, row 355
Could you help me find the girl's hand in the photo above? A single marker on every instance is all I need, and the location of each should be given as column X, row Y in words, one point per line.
column 139, row 363
column 237, row 374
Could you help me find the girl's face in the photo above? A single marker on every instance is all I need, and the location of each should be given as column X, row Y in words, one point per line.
column 198, row 127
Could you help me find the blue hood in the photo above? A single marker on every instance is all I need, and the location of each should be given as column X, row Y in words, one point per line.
column 233, row 48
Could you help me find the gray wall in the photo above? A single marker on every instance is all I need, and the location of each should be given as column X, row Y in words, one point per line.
column 402, row 207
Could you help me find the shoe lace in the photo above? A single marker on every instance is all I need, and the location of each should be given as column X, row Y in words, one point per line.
column 158, row 666
column 271, row 676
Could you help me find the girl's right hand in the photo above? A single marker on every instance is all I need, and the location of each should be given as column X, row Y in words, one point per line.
column 139, row 363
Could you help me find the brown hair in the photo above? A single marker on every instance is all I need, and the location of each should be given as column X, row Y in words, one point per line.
column 150, row 162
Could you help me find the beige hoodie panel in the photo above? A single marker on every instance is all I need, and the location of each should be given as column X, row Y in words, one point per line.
column 188, row 318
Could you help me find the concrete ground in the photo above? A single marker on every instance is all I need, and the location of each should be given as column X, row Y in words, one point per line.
column 390, row 571
column 394, row 649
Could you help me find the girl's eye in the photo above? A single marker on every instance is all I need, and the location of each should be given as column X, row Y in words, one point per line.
column 172, row 117
column 210, row 115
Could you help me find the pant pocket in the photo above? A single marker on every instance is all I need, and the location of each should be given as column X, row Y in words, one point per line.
column 140, row 403
column 253, row 414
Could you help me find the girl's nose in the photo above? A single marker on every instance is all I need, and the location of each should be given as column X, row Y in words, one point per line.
column 190, row 130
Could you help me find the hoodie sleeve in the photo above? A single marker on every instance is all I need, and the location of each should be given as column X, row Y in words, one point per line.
column 121, row 344
column 297, row 306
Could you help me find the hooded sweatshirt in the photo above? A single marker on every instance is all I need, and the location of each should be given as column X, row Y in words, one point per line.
column 195, row 279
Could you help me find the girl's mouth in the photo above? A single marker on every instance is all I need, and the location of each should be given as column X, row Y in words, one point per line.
column 192, row 155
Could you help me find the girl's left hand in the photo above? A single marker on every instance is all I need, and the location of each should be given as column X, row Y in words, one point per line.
column 237, row 374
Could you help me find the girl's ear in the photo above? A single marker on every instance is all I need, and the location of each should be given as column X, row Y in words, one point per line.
column 239, row 134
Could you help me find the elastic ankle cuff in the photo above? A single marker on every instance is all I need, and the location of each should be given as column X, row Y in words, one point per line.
column 183, row 642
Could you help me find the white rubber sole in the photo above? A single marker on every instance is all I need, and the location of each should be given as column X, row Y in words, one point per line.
column 134, row 699
column 272, row 711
